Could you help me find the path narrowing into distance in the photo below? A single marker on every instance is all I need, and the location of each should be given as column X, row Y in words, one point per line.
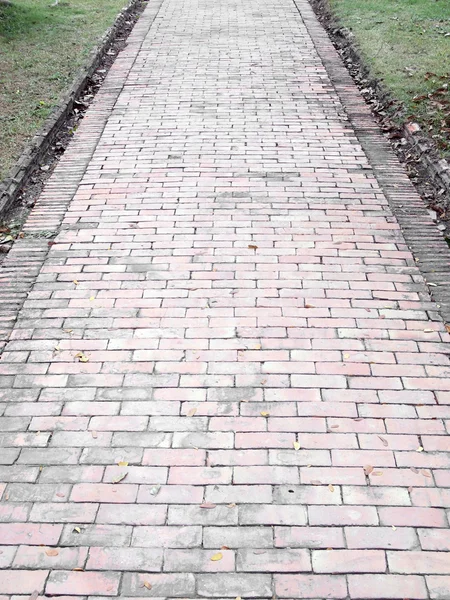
column 228, row 378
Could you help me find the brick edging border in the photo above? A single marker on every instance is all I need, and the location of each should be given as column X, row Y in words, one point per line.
column 37, row 147
column 29, row 251
column 421, row 234
column 423, row 148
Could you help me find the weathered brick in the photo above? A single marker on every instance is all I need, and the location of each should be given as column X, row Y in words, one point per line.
column 81, row 584
column 387, row 587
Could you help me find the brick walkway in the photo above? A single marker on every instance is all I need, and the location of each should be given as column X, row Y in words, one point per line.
column 228, row 379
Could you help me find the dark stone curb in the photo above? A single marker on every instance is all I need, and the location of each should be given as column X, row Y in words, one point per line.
column 36, row 149
column 421, row 234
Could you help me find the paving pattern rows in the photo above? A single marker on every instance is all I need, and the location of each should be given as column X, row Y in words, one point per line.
column 228, row 379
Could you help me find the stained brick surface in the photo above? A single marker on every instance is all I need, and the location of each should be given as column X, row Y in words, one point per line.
column 227, row 377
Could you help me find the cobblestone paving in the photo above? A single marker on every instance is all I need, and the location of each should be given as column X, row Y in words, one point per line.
column 228, row 379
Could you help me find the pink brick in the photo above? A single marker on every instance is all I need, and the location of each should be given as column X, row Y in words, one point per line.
column 412, row 516
column 81, row 584
column 343, row 515
column 273, row 560
column 199, row 475
column 309, row 537
column 401, row 538
column 348, row 561
column 22, row 582
column 175, row 457
column 387, row 587
column 426, row 563
column 438, row 586
column 103, row 492
column 310, row 586
column 30, row 533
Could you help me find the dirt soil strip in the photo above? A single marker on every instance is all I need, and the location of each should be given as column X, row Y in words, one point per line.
column 426, row 242
column 24, row 261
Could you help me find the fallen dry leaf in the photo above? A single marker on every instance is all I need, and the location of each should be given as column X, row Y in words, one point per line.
column 78, row 569
column 147, row 585
column 428, row 330
column 394, row 527
column 414, row 470
column 264, row 413
column 316, row 482
column 52, row 552
column 252, row 247
column 94, row 434
column 119, row 478
column 425, row 473
column 208, row 505
column 309, row 306
column 224, row 548
column 81, row 357
column 368, row 469
column 77, row 529
column 191, row 412
column 447, row 327
column 377, row 473
column 296, row 445
column 331, row 487
column 419, row 449
column 383, row 441
column 122, row 463
column 217, row 556
column 334, row 426
column 232, row 505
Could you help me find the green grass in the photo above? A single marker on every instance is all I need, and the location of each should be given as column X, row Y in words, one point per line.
column 405, row 45
column 41, row 49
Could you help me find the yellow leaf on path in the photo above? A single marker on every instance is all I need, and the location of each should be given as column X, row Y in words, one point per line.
column 368, row 469
column 264, row 413
column 92, row 298
column 296, row 445
column 75, row 281
column 77, row 529
column 419, row 449
column 377, row 473
column 147, row 585
column 119, row 478
column 394, row 527
column 331, row 487
column 217, row 556
column 122, row 463
column 192, row 412
column 81, row 357
column 94, row 434
column 232, row 505
column 52, row 552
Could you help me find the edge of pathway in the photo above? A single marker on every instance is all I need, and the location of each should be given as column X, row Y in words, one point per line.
column 421, row 234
